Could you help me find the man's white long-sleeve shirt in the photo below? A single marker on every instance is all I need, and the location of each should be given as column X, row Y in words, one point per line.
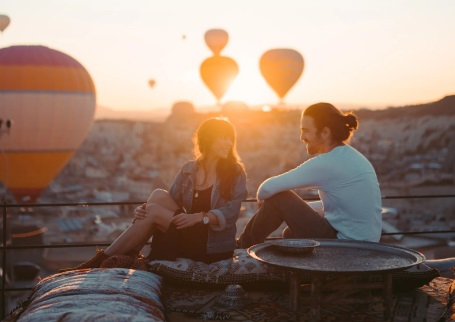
column 348, row 188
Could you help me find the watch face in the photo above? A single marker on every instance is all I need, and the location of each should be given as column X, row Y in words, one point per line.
column 205, row 220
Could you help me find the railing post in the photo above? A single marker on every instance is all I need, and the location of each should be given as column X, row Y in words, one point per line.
column 4, row 240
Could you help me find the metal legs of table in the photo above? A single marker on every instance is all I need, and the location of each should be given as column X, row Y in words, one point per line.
column 387, row 281
column 316, row 297
column 295, row 291
column 295, row 294
column 315, row 300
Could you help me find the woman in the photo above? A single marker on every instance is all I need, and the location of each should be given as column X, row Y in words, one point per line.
column 197, row 218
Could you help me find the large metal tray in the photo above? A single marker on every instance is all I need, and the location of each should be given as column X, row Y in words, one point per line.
column 341, row 256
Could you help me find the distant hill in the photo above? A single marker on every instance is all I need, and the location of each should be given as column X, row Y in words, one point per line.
column 154, row 115
column 445, row 106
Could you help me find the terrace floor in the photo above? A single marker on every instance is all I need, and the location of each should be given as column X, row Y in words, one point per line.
column 425, row 304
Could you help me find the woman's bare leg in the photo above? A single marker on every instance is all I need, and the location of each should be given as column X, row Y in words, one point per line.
column 163, row 198
column 160, row 209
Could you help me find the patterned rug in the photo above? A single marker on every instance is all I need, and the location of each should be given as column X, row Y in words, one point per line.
column 427, row 303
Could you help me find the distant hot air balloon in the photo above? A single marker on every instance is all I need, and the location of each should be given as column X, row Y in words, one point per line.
column 281, row 68
column 152, row 83
column 216, row 40
column 50, row 97
column 4, row 22
column 218, row 72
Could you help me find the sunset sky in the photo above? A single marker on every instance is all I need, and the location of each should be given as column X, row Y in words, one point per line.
column 357, row 53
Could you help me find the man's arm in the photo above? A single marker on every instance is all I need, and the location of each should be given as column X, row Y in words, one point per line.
column 308, row 175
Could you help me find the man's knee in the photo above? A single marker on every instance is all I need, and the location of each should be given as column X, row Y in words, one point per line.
column 284, row 200
column 280, row 197
column 283, row 195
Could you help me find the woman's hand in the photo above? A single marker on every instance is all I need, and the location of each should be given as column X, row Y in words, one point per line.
column 184, row 220
column 139, row 213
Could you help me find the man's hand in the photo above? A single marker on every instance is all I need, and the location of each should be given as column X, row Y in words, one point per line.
column 260, row 202
column 184, row 220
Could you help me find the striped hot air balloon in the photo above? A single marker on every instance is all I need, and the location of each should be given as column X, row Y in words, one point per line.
column 50, row 99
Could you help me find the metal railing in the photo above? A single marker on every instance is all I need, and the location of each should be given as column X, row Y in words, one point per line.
column 5, row 247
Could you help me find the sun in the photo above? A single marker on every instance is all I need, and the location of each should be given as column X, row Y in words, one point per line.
column 251, row 89
column 266, row 108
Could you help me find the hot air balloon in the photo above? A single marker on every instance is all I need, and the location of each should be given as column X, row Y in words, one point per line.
column 4, row 22
column 50, row 98
column 216, row 40
column 281, row 68
column 152, row 83
column 218, row 72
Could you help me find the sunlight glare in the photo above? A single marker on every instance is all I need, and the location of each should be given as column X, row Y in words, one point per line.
column 266, row 108
column 248, row 88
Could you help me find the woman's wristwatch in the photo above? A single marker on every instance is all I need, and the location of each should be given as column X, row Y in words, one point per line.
column 205, row 218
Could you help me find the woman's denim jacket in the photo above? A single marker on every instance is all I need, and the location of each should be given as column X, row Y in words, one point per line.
column 221, row 237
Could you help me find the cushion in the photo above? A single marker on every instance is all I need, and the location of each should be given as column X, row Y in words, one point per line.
column 94, row 295
column 450, row 311
column 417, row 276
column 241, row 268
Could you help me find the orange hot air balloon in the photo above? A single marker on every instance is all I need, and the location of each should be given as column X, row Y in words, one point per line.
column 281, row 68
column 218, row 72
column 152, row 83
column 216, row 40
column 50, row 98
column 4, row 22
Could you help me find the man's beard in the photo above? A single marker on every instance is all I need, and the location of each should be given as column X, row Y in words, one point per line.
column 310, row 150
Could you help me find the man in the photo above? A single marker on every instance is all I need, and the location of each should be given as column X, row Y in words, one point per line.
column 345, row 179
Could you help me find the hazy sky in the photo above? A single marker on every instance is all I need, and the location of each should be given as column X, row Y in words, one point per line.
column 362, row 53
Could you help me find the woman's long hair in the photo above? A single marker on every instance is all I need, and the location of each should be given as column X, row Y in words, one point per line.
column 227, row 169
